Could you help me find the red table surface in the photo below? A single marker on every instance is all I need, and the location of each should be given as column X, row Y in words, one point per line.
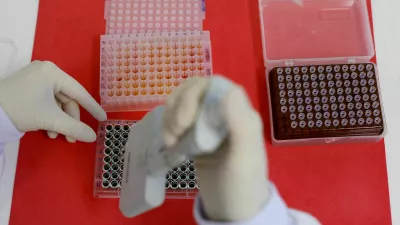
column 339, row 184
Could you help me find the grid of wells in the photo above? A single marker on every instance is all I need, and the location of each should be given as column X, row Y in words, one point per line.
column 325, row 101
column 135, row 16
column 151, row 65
column 111, row 142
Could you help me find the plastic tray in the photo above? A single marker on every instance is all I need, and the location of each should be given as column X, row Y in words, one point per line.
column 139, row 71
column 320, row 32
column 181, row 182
column 342, row 101
column 138, row 16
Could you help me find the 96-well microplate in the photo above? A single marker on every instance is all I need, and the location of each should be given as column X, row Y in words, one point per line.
column 180, row 182
column 138, row 16
column 325, row 101
column 139, row 71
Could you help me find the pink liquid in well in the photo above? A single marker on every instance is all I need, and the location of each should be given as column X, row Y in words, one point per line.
column 319, row 29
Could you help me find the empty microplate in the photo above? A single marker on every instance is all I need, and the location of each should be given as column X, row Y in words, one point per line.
column 139, row 71
column 130, row 17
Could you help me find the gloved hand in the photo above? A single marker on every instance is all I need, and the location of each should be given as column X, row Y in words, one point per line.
column 233, row 180
column 43, row 97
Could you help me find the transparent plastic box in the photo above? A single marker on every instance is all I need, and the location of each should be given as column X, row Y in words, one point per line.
column 181, row 182
column 320, row 32
column 139, row 71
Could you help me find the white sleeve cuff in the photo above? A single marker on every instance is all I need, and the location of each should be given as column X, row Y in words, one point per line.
column 275, row 212
column 8, row 132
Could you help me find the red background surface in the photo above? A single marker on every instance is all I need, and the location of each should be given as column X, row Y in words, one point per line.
column 341, row 184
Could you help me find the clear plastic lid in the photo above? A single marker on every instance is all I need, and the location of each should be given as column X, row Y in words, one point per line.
column 316, row 32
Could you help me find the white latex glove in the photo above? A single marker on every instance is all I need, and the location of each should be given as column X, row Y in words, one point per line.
column 233, row 180
column 43, row 97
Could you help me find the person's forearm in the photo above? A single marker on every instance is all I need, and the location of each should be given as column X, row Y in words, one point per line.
column 1, row 149
column 274, row 212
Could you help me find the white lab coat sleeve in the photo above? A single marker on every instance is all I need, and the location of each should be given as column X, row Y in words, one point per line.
column 274, row 212
column 8, row 132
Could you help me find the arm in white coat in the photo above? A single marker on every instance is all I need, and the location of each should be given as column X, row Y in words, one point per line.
column 8, row 132
column 274, row 212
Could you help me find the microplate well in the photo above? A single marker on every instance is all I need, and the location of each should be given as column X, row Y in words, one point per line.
column 137, row 16
column 139, row 71
column 180, row 182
